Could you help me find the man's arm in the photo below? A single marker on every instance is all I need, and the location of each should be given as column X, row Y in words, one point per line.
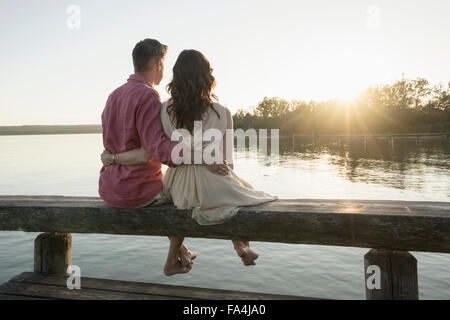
column 140, row 156
column 153, row 140
column 149, row 127
column 127, row 158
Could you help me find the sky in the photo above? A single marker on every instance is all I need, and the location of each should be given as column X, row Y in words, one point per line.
column 59, row 60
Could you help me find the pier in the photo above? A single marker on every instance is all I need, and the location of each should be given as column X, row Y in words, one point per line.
column 389, row 229
column 390, row 137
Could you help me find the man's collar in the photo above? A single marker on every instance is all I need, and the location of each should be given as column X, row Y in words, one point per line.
column 137, row 77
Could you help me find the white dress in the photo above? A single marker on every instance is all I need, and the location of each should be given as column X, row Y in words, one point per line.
column 212, row 198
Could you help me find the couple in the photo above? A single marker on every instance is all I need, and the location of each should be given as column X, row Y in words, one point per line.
column 136, row 135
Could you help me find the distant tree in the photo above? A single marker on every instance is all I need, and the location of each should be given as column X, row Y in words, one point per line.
column 442, row 98
column 272, row 108
column 406, row 105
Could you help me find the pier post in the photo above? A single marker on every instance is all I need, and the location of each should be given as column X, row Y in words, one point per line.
column 398, row 275
column 53, row 253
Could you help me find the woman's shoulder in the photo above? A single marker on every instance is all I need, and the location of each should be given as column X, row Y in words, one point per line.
column 165, row 118
column 221, row 109
column 164, row 106
column 216, row 117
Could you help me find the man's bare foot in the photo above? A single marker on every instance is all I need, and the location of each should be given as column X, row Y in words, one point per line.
column 191, row 253
column 247, row 255
column 174, row 267
column 186, row 256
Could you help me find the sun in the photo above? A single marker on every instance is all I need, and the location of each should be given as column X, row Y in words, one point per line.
column 344, row 75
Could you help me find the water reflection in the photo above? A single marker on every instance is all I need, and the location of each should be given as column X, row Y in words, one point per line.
column 302, row 171
column 405, row 164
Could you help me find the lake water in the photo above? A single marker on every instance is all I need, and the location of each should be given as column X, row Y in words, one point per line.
column 69, row 165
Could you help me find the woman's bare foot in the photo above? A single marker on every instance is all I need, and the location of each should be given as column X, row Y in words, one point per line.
column 247, row 255
column 186, row 256
column 175, row 266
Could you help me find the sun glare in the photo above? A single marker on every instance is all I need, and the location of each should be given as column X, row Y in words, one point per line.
column 346, row 74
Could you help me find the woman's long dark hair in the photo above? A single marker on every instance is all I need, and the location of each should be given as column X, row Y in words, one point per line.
column 191, row 89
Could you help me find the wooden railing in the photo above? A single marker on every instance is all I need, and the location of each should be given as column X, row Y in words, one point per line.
column 389, row 228
column 364, row 137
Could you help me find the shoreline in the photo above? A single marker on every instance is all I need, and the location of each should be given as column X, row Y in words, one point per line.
column 97, row 129
column 50, row 129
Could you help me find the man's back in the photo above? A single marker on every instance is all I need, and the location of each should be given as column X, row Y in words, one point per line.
column 131, row 120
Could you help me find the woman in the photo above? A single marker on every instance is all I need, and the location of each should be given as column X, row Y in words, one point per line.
column 212, row 198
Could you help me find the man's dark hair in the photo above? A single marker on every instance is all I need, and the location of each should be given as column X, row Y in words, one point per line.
column 146, row 50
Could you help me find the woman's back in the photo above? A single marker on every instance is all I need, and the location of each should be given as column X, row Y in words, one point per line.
column 212, row 198
column 212, row 119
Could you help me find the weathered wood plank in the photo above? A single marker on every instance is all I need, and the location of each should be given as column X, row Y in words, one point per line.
column 398, row 278
column 151, row 288
column 396, row 225
column 53, row 253
column 60, row 292
column 16, row 297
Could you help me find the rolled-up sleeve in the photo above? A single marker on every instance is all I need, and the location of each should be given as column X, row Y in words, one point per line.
column 149, row 127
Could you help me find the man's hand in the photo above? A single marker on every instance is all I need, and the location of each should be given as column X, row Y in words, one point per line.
column 221, row 169
column 128, row 158
column 107, row 158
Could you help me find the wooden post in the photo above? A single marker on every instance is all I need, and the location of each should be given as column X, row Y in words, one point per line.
column 398, row 272
column 365, row 144
column 53, row 253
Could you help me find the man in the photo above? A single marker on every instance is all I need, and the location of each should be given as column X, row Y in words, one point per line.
column 131, row 120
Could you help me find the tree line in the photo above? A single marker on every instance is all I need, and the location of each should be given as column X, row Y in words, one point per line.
column 408, row 105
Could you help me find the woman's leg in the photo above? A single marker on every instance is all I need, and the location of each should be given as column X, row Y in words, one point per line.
column 243, row 250
column 173, row 264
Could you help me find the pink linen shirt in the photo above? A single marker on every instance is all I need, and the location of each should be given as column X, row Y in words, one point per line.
column 131, row 119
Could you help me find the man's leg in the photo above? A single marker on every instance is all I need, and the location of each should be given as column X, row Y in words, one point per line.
column 186, row 256
column 243, row 250
column 173, row 265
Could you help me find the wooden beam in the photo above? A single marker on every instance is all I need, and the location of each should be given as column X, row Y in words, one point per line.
column 395, row 225
column 59, row 292
column 21, row 285
column 398, row 275
column 53, row 253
